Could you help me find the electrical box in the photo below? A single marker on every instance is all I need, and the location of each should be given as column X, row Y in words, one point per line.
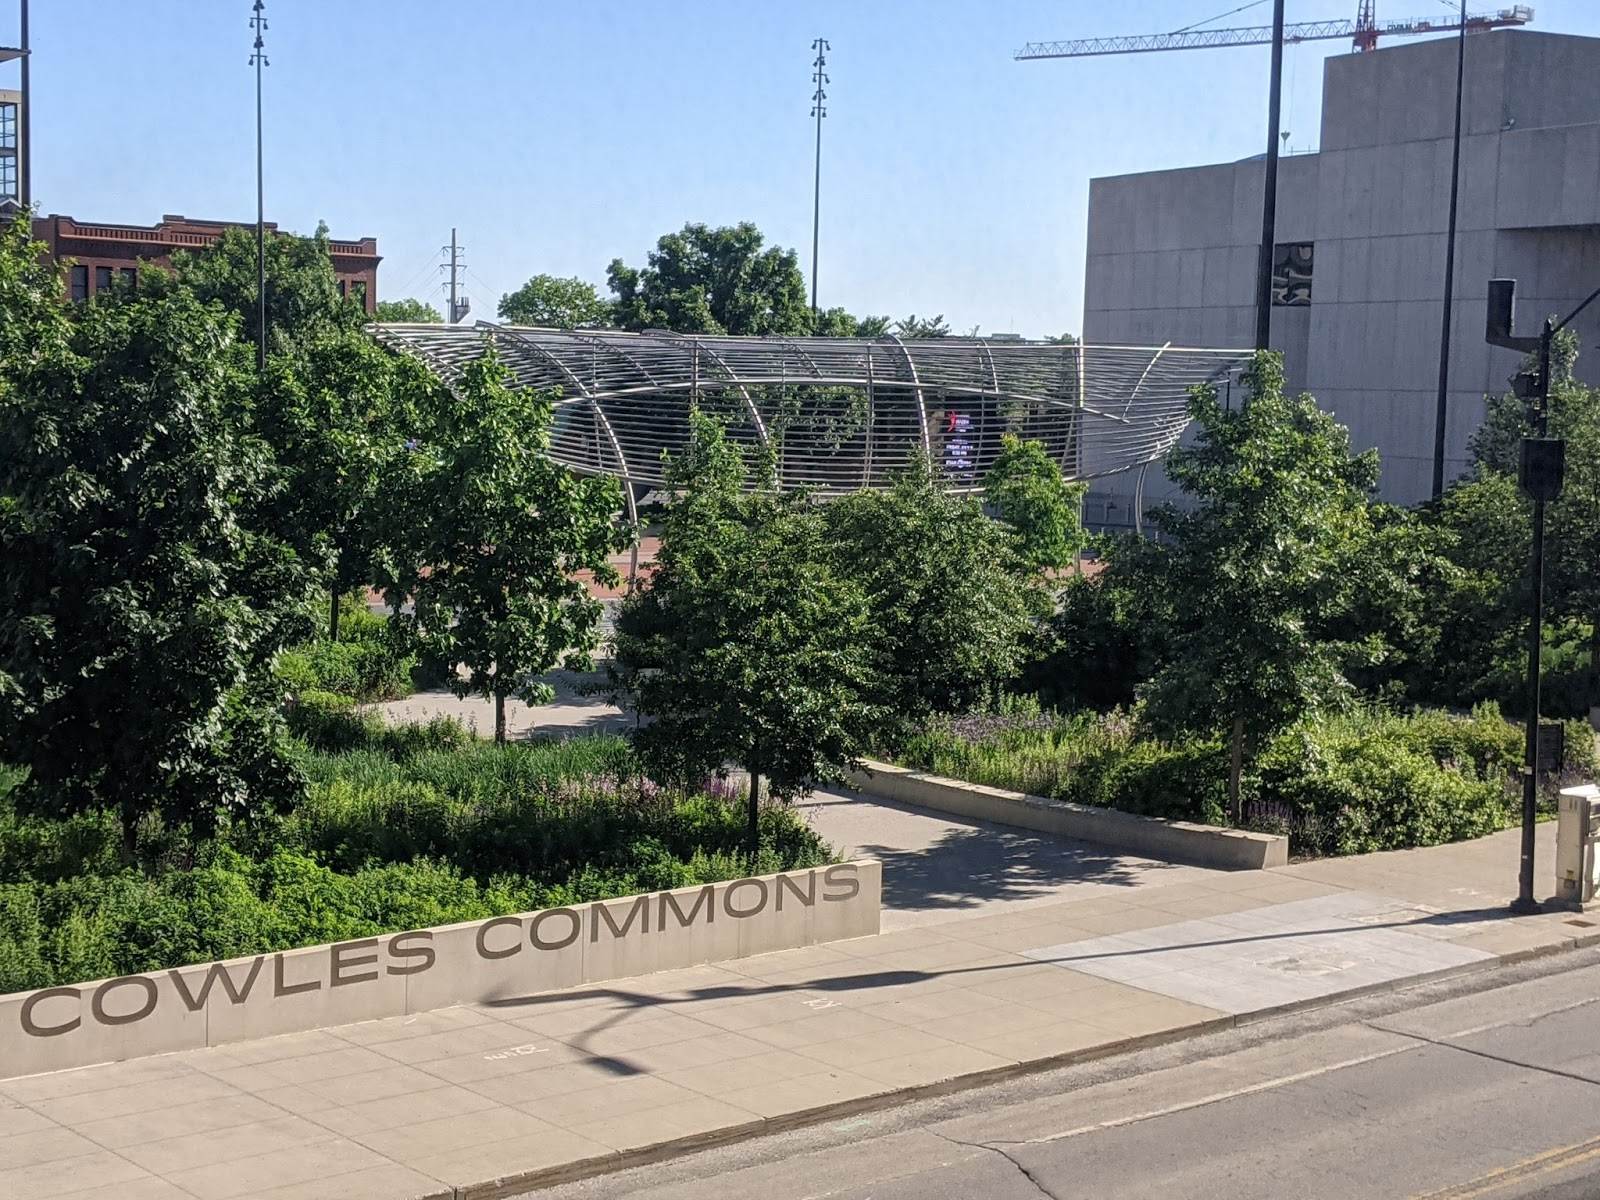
column 1577, row 831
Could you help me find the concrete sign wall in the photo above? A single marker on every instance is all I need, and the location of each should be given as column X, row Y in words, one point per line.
column 212, row 1003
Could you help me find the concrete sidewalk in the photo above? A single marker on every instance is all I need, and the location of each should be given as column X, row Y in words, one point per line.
column 494, row 1099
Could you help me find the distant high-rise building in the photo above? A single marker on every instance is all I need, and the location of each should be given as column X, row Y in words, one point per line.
column 1358, row 269
column 11, row 158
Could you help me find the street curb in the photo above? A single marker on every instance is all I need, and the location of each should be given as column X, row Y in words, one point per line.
column 544, row 1177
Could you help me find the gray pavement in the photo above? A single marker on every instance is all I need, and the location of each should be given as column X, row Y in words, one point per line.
column 938, row 868
column 1485, row 1088
column 574, row 712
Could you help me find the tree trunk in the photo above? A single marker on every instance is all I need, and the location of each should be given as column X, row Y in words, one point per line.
column 1235, row 770
column 130, row 834
column 755, row 814
column 499, row 718
column 333, row 614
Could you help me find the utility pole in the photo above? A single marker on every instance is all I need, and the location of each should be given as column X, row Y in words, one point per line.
column 458, row 307
column 1441, row 410
column 25, row 190
column 258, row 59
column 818, row 111
column 1269, row 200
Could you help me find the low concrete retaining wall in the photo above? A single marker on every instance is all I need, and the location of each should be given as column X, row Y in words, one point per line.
column 210, row 1004
column 1179, row 841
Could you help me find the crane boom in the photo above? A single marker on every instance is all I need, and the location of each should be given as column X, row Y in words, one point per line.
column 1310, row 31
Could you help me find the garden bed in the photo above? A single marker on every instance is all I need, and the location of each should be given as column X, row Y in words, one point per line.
column 1366, row 780
column 400, row 828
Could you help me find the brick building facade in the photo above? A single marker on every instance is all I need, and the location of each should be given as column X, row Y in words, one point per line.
column 103, row 253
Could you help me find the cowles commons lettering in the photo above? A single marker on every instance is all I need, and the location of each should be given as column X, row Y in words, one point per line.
column 269, row 978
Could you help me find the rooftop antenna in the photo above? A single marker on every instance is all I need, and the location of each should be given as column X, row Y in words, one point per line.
column 819, row 110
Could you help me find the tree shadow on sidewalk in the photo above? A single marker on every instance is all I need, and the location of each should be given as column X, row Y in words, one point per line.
column 967, row 867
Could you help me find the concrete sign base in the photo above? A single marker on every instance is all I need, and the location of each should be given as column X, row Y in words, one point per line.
column 210, row 1004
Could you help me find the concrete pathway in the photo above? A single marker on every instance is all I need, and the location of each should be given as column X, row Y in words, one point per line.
column 1049, row 967
column 575, row 711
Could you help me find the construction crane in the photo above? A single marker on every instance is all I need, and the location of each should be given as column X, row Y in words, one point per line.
column 1363, row 32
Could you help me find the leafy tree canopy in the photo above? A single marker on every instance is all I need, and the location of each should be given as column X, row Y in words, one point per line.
column 493, row 533
column 705, row 280
column 1036, row 501
column 302, row 291
column 948, row 595
column 409, row 311
column 922, row 327
column 1281, row 508
column 555, row 303
column 747, row 646
column 136, row 598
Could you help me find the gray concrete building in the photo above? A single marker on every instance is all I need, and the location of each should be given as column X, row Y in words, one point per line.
column 1359, row 280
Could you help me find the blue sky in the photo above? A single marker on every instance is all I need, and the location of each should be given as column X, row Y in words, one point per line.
column 558, row 136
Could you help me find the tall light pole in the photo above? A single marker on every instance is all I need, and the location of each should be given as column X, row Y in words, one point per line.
column 25, row 191
column 1441, row 409
column 1269, row 199
column 818, row 111
column 1540, row 475
column 258, row 59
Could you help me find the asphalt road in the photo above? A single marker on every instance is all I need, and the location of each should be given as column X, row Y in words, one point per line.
column 1485, row 1088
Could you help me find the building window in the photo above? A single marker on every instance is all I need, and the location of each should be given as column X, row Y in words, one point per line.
column 8, row 177
column 78, row 283
column 1291, row 273
column 8, row 126
column 343, row 288
column 102, row 280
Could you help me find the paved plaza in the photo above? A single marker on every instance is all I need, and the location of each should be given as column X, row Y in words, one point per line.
column 1054, row 951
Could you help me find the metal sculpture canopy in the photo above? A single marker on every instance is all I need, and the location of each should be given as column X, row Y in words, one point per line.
column 839, row 414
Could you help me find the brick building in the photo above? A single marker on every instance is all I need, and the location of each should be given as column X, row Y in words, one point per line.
column 102, row 253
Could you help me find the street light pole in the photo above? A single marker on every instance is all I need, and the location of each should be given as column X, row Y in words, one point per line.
column 258, row 59
column 1542, row 469
column 25, row 120
column 1441, row 410
column 1269, row 199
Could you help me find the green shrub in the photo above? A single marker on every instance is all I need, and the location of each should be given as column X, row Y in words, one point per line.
column 1365, row 780
column 364, row 664
column 1352, row 790
column 331, row 722
column 1186, row 782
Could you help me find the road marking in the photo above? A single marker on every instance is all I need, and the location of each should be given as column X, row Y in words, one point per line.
column 1232, row 1094
column 1550, row 1161
column 516, row 1051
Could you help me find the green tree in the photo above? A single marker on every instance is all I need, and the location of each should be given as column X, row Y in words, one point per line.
column 1255, row 567
column 1495, row 520
column 922, row 327
column 554, row 303
column 303, row 298
column 839, row 322
column 135, row 598
column 1109, row 633
column 1026, row 485
column 746, row 646
column 408, row 311
column 494, row 532
column 705, row 280
column 338, row 416
column 947, row 594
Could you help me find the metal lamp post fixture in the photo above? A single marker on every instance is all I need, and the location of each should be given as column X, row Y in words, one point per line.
column 1540, row 474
